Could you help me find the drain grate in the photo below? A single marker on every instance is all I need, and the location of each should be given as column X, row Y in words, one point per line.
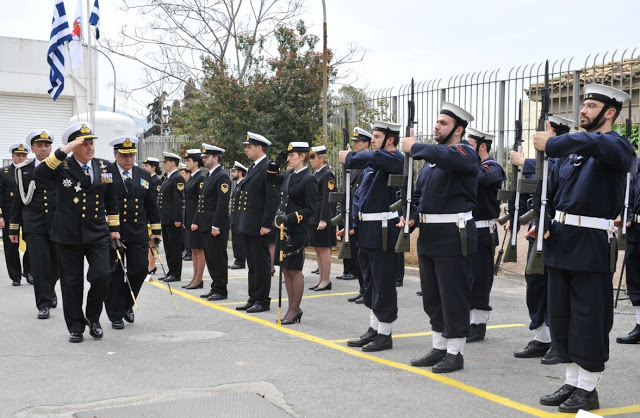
column 228, row 405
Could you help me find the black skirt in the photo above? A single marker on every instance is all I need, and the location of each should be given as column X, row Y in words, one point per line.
column 293, row 252
column 193, row 239
column 324, row 238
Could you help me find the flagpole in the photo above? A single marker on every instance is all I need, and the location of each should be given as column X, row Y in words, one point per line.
column 90, row 80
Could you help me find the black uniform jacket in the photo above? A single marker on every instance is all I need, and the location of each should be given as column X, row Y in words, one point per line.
column 138, row 206
column 171, row 199
column 87, row 209
column 7, row 190
column 324, row 210
column 37, row 216
column 258, row 201
column 192, row 196
column 234, row 202
column 213, row 202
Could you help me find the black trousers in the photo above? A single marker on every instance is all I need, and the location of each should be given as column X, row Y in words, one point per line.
column 355, row 261
column 215, row 254
column 536, row 295
column 400, row 267
column 259, row 263
column 581, row 316
column 446, row 293
column 632, row 258
column 72, row 282
column 119, row 298
column 12, row 256
column 347, row 264
column 45, row 272
column 379, row 274
column 172, row 239
column 237, row 243
column 481, row 277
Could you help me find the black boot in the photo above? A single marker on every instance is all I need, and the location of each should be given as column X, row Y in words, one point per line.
column 533, row 349
column 550, row 357
column 432, row 358
column 632, row 338
column 364, row 339
column 478, row 331
column 580, row 399
column 450, row 363
column 559, row 396
column 381, row 342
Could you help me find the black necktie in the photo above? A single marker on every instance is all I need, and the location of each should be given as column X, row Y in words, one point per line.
column 128, row 182
column 251, row 167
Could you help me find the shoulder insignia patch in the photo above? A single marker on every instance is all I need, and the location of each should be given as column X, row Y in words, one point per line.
column 487, row 166
column 459, row 148
column 181, row 186
column 224, row 187
column 331, row 184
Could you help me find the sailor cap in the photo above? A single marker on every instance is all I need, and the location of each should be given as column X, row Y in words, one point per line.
column 480, row 135
column 39, row 135
column 319, row 150
column 256, row 139
column 125, row 144
column 19, row 148
column 298, row 147
column 459, row 114
column 360, row 134
column 78, row 130
column 211, row 150
column 238, row 166
column 606, row 94
column 171, row 156
column 389, row 128
column 152, row 161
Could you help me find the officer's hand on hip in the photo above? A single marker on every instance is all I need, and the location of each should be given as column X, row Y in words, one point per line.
column 322, row 225
column 215, row 232
column 177, row 224
column 13, row 239
column 264, row 231
column 194, row 227
column 407, row 142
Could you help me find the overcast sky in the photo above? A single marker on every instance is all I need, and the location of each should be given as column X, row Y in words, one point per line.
column 406, row 38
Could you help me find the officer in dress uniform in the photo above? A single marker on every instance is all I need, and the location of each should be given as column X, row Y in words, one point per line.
column 377, row 233
column 487, row 209
column 585, row 190
column 34, row 204
column 238, row 172
column 138, row 209
column 8, row 190
column 360, row 140
column 152, row 166
column 212, row 220
column 256, row 212
column 445, row 196
column 193, row 239
column 85, row 219
column 171, row 202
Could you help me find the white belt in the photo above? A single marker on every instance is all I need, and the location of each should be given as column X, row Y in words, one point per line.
column 636, row 218
column 446, row 218
column 382, row 216
column 585, row 221
column 485, row 224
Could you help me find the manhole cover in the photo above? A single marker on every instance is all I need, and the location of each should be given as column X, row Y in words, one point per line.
column 239, row 404
column 177, row 336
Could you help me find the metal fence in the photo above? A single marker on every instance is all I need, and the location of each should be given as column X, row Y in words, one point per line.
column 492, row 96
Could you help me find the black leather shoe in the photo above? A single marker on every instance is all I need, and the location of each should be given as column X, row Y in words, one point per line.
column 153, row 271
column 580, row 399
column 360, row 301
column 550, row 357
column 95, row 330
column 54, row 301
column 197, row 286
column 16, row 283
column 559, row 396
column 399, row 284
column 117, row 324
column 341, row 277
column 380, row 343
column 364, row 339
column 236, row 267
column 432, row 358
column 355, row 298
column 216, row 296
column 348, row 276
column 316, row 271
column 244, row 307
column 311, row 288
column 29, row 278
column 172, row 279
column 129, row 316
column 322, row 289
column 419, row 293
column 43, row 313
column 258, row 308
column 632, row 338
column 206, row 295
column 187, row 258
column 533, row 349
column 450, row 363
column 478, row 331
column 76, row 337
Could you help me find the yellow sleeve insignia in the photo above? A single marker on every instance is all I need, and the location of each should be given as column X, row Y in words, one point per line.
column 331, row 184
column 224, row 187
column 181, row 186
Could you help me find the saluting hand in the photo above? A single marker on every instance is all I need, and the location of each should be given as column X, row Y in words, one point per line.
column 407, row 142
column 540, row 138
column 71, row 145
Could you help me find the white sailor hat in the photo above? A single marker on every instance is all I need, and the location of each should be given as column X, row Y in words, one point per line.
column 319, row 150
column 125, row 144
column 459, row 114
column 606, row 94
column 560, row 121
column 211, row 150
column 360, row 134
column 256, row 139
column 19, row 148
column 39, row 135
column 389, row 128
column 480, row 136
column 152, row 161
column 171, row 156
column 238, row 166
column 182, row 166
column 298, row 147
column 78, row 130
column 194, row 154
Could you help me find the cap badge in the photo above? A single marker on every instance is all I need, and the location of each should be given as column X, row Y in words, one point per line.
column 204, row 150
column 44, row 135
column 290, row 147
column 21, row 148
column 127, row 143
column 85, row 130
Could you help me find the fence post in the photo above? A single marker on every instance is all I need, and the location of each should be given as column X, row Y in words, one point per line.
column 576, row 97
column 501, row 112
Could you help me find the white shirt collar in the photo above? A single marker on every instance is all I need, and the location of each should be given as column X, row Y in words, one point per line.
column 80, row 164
column 259, row 159
column 130, row 172
column 212, row 171
column 320, row 169
column 303, row 168
column 36, row 162
column 169, row 174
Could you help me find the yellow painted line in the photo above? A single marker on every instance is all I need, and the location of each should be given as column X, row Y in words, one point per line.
column 501, row 400
column 607, row 412
column 274, row 300
column 423, row 334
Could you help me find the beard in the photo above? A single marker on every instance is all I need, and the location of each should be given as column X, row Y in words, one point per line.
column 586, row 125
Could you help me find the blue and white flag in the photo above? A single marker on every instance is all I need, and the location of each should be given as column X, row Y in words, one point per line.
column 60, row 34
column 94, row 20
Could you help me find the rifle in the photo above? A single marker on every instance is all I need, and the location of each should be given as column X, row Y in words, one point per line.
column 343, row 217
column 513, row 197
column 622, row 239
column 405, row 182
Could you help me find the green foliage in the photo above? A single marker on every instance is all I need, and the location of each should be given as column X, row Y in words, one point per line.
column 635, row 131
column 280, row 98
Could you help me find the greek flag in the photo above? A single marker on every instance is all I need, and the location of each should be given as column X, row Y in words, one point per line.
column 60, row 34
column 94, row 19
